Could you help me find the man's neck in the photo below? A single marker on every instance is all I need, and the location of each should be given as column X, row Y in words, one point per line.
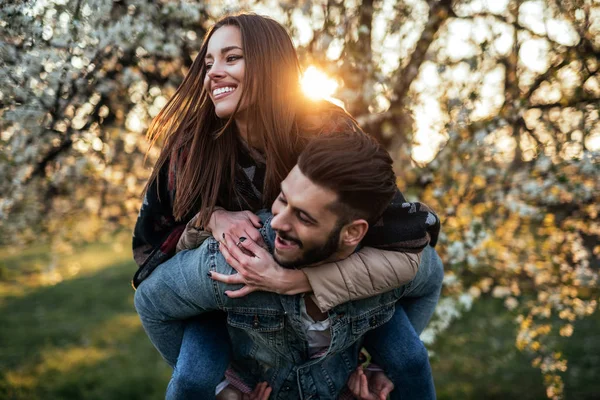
column 342, row 253
column 313, row 310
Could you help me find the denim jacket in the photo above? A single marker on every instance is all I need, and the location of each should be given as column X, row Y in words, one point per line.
column 269, row 341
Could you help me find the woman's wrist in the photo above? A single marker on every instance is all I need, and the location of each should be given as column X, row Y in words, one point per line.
column 293, row 281
column 213, row 219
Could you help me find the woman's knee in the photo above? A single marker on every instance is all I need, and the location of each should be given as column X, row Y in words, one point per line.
column 417, row 360
column 141, row 299
column 149, row 306
column 188, row 384
column 413, row 359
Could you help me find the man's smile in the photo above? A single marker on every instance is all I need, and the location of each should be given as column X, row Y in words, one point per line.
column 286, row 243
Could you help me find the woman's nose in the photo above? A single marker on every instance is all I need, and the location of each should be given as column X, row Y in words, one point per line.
column 215, row 72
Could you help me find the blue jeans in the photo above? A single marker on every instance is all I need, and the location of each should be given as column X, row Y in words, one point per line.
column 397, row 349
column 421, row 295
column 396, row 346
column 203, row 358
column 179, row 289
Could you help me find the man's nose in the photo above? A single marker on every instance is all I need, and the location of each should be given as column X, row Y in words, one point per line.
column 279, row 222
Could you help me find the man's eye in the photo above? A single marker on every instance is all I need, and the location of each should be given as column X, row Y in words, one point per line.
column 304, row 220
column 281, row 199
column 233, row 58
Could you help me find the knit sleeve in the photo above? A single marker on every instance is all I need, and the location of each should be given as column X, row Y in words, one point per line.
column 156, row 232
column 404, row 226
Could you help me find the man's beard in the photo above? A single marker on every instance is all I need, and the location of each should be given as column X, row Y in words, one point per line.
column 314, row 254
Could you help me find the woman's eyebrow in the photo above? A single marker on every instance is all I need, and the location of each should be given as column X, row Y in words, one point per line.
column 228, row 48
column 224, row 50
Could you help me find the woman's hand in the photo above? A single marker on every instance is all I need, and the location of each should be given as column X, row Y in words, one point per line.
column 376, row 387
column 235, row 223
column 257, row 270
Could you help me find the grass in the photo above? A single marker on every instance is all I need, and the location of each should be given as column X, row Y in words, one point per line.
column 476, row 358
column 71, row 332
column 68, row 330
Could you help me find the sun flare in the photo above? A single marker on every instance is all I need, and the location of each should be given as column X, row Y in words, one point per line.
column 317, row 85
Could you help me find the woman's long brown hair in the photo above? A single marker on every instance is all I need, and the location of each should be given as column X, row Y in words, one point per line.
column 203, row 148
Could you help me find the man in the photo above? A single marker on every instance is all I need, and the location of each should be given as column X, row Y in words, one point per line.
column 320, row 216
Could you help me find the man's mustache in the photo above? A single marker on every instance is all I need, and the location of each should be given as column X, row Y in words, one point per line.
column 289, row 238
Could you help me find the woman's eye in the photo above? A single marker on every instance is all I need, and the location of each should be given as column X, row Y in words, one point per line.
column 281, row 199
column 233, row 58
column 208, row 66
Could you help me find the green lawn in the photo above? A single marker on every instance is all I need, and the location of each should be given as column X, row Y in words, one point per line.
column 476, row 358
column 79, row 338
column 68, row 330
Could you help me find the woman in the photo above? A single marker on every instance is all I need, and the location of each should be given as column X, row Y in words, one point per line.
column 232, row 132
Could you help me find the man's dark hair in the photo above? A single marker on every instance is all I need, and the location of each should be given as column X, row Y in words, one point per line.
column 356, row 167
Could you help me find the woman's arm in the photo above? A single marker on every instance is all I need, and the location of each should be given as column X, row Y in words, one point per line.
column 410, row 227
column 365, row 273
column 235, row 223
column 156, row 232
column 403, row 232
column 192, row 236
column 391, row 260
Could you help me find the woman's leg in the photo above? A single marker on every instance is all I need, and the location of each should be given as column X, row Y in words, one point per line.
column 396, row 346
column 203, row 359
column 397, row 349
column 175, row 291
column 422, row 294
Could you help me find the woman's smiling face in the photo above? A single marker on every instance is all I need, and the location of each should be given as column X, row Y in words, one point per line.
column 225, row 70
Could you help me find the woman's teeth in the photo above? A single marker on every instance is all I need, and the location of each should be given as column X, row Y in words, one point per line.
column 221, row 90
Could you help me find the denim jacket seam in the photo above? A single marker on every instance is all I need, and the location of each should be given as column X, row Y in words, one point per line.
column 213, row 267
column 264, row 233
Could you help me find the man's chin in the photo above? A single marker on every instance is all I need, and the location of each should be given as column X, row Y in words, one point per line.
column 284, row 261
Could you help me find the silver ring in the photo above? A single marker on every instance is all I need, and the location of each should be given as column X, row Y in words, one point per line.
column 238, row 243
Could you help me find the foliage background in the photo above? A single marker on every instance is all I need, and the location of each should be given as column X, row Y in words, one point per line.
column 490, row 109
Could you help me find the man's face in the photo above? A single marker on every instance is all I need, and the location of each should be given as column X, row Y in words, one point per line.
column 308, row 231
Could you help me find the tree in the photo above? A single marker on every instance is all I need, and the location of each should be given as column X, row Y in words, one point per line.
column 81, row 80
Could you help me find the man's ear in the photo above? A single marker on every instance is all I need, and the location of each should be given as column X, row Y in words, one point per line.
column 354, row 232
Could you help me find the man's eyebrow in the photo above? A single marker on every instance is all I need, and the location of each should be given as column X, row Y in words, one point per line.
column 298, row 209
column 224, row 50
